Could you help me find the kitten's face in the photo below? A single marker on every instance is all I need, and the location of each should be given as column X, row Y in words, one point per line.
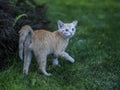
column 67, row 30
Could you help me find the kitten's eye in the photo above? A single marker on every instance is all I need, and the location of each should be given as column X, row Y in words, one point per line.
column 73, row 29
column 66, row 29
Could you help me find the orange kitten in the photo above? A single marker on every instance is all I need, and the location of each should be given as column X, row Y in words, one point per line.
column 43, row 43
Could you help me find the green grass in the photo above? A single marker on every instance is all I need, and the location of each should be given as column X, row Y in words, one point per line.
column 95, row 47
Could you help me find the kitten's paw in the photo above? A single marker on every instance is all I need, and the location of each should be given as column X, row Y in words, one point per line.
column 55, row 62
column 48, row 74
column 44, row 73
column 71, row 60
column 25, row 73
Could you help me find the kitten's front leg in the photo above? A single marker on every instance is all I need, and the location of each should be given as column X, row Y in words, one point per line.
column 55, row 60
column 67, row 56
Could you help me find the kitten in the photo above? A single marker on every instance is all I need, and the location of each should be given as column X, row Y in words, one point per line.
column 43, row 43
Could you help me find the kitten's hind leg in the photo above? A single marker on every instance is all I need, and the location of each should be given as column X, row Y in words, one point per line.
column 42, row 64
column 27, row 60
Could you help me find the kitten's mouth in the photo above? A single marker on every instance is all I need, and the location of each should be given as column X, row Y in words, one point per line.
column 69, row 35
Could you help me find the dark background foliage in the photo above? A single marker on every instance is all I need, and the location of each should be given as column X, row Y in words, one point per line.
column 12, row 17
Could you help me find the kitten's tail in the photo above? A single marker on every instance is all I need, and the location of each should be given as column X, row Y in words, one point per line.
column 26, row 31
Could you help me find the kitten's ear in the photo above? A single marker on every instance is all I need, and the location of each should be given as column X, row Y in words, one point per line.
column 60, row 24
column 75, row 22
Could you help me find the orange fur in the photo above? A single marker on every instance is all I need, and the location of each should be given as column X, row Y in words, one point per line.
column 41, row 43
